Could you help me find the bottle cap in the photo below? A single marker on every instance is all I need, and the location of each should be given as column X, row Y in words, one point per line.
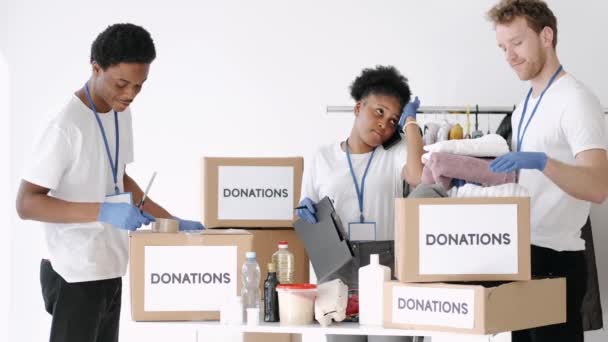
column 283, row 244
column 250, row 255
column 374, row 259
column 271, row 267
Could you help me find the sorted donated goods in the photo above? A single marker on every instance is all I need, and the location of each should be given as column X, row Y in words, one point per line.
column 331, row 302
column 296, row 302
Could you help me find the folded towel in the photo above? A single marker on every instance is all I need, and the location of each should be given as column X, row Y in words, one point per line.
column 504, row 190
column 491, row 145
column 442, row 167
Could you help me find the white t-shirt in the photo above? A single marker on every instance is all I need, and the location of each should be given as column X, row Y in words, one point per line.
column 328, row 174
column 569, row 120
column 70, row 159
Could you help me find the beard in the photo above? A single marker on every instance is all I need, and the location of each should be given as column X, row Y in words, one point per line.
column 532, row 68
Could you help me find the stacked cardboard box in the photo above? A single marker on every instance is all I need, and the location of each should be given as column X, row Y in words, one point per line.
column 463, row 265
column 188, row 276
column 184, row 276
column 258, row 195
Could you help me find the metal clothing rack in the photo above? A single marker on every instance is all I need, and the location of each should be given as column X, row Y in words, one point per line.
column 443, row 109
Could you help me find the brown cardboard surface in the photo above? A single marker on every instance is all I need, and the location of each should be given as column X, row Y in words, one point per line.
column 209, row 191
column 544, row 300
column 265, row 244
column 262, row 337
column 407, row 239
column 507, row 307
column 138, row 240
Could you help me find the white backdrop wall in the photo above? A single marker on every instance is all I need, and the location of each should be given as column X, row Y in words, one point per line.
column 5, row 200
column 252, row 78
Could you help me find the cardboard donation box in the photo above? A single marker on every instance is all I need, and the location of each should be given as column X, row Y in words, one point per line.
column 462, row 239
column 250, row 192
column 265, row 244
column 185, row 276
column 474, row 308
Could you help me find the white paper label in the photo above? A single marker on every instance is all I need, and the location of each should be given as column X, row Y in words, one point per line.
column 189, row 278
column 255, row 193
column 454, row 308
column 468, row 239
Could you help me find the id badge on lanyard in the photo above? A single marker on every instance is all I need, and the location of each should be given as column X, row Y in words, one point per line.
column 117, row 196
column 362, row 230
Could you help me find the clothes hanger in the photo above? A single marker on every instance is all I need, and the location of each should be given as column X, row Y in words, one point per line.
column 468, row 124
column 476, row 133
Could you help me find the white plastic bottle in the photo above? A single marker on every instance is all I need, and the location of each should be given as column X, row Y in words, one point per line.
column 285, row 263
column 371, row 288
column 250, row 290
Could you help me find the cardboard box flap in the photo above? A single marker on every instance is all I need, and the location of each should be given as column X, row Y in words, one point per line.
column 193, row 233
column 523, row 305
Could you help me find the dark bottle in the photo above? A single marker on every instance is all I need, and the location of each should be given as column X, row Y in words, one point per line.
column 271, row 297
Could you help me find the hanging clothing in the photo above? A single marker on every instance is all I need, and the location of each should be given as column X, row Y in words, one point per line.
column 430, row 133
column 504, row 128
column 456, row 132
column 444, row 131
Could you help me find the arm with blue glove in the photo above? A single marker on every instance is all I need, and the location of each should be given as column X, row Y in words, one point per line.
column 586, row 180
column 123, row 216
column 306, row 210
column 515, row 161
column 412, row 171
column 187, row 225
column 155, row 209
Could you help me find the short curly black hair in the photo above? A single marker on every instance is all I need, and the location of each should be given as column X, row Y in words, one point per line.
column 122, row 43
column 382, row 80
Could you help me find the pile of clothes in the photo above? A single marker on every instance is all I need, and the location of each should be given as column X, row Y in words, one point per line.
column 461, row 167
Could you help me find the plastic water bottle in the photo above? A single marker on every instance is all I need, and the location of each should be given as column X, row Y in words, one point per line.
column 284, row 261
column 251, row 282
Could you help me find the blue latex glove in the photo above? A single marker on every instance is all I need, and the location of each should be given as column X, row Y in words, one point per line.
column 514, row 161
column 123, row 215
column 188, row 225
column 307, row 213
column 409, row 110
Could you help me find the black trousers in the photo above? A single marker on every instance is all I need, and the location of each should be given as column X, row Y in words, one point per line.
column 571, row 265
column 82, row 312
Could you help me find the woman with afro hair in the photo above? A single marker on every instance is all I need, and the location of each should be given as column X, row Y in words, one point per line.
column 363, row 173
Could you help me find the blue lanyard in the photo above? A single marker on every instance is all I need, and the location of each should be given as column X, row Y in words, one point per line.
column 352, row 173
column 520, row 138
column 113, row 163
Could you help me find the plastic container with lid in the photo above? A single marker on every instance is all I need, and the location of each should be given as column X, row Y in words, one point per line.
column 296, row 303
column 285, row 263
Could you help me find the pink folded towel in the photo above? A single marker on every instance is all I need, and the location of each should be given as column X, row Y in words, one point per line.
column 442, row 167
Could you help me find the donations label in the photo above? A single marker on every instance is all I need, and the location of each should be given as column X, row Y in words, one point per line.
column 468, row 239
column 189, row 278
column 435, row 306
column 255, row 192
